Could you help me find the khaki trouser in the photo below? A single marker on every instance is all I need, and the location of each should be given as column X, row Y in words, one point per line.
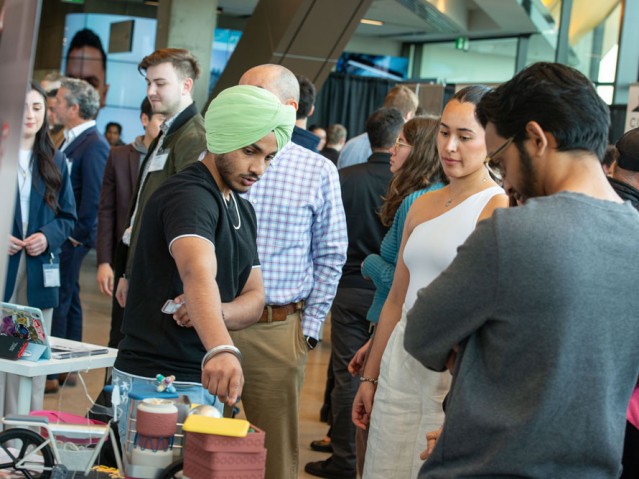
column 274, row 362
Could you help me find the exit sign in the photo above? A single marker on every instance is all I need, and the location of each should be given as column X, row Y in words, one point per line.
column 79, row 2
column 462, row 43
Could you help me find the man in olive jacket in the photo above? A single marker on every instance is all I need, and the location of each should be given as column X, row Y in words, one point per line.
column 170, row 75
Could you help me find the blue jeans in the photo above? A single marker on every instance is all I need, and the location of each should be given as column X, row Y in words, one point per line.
column 126, row 382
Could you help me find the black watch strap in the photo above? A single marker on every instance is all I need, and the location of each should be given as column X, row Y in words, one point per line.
column 310, row 342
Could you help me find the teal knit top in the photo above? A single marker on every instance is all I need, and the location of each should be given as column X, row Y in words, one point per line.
column 380, row 268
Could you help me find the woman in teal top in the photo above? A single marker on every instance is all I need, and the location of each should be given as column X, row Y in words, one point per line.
column 416, row 169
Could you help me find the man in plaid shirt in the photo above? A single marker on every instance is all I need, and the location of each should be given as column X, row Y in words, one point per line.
column 302, row 242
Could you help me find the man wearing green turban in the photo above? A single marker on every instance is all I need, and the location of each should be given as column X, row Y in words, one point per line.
column 242, row 114
column 197, row 245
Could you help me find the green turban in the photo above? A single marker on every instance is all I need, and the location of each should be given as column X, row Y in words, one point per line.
column 241, row 115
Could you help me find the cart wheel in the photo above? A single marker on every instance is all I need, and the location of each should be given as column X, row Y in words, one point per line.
column 173, row 470
column 25, row 441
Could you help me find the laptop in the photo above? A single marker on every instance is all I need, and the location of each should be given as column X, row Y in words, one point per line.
column 26, row 323
column 65, row 348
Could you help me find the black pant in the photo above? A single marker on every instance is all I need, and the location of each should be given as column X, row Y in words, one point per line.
column 630, row 458
column 349, row 332
column 117, row 312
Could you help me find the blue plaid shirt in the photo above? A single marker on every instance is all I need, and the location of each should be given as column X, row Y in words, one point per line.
column 301, row 232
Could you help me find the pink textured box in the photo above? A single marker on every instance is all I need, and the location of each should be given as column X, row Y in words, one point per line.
column 223, row 461
column 225, row 457
column 253, row 442
column 194, row 471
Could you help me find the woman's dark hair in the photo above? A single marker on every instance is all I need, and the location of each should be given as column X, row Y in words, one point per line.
column 43, row 153
column 421, row 168
column 471, row 94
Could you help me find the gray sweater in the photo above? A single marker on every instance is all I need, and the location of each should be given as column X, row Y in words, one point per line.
column 543, row 301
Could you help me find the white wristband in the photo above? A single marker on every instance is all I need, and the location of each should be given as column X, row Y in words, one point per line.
column 223, row 348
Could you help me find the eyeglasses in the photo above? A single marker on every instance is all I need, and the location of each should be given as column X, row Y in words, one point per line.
column 399, row 144
column 493, row 166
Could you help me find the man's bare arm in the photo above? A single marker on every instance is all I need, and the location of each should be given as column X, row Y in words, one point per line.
column 240, row 313
column 196, row 262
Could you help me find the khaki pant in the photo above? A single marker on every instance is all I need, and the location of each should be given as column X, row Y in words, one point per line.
column 274, row 362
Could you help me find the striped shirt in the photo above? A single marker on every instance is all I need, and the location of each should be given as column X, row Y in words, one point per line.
column 301, row 232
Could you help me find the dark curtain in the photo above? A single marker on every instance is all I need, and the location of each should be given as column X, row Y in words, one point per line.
column 349, row 100
column 617, row 122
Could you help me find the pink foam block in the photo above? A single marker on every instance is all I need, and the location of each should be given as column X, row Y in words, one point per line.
column 198, row 472
column 253, row 442
column 226, row 461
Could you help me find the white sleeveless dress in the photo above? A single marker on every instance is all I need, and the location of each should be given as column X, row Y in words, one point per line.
column 408, row 401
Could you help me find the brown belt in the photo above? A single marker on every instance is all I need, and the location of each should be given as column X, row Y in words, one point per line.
column 279, row 312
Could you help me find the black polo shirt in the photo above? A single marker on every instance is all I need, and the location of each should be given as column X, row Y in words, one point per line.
column 363, row 187
column 187, row 204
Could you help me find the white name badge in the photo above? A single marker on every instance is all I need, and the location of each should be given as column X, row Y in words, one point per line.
column 158, row 161
column 51, row 275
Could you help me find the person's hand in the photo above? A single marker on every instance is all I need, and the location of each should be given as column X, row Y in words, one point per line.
column 356, row 364
column 222, row 376
column 122, row 291
column 74, row 243
column 105, row 279
column 181, row 316
column 363, row 405
column 36, row 244
column 15, row 245
column 431, row 440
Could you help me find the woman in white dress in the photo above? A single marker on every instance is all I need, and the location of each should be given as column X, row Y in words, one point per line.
column 399, row 400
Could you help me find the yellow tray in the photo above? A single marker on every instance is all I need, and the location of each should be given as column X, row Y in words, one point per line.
column 221, row 426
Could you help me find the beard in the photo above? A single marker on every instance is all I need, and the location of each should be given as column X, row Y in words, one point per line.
column 225, row 167
column 528, row 178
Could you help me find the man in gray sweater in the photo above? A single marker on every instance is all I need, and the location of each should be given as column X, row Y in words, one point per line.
column 541, row 302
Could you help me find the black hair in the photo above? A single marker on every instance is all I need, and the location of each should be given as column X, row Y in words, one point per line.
column 43, row 154
column 87, row 38
column 307, row 97
column 471, row 94
column 113, row 123
column 384, row 126
column 559, row 98
column 146, row 108
column 610, row 156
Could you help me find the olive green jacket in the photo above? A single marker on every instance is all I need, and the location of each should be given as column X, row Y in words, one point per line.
column 185, row 141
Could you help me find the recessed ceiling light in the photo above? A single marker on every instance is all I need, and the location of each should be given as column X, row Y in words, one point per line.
column 371, row 22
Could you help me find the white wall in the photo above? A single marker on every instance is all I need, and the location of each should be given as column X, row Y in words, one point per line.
column 443, row 62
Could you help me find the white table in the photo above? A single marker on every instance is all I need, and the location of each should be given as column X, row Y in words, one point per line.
column 27, row 370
